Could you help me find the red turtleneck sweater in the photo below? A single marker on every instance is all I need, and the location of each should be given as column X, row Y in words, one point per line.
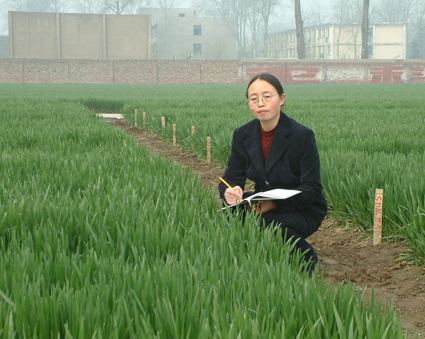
column 266, row 141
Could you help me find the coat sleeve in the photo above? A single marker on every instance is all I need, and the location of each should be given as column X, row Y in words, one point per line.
column 309, row 177
column 235, row 173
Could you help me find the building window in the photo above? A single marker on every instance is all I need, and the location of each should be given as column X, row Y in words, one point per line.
column 322, row 52
column 197, row 30
column 154, row 31
column 182, row 15
column 197, row 49
column 370, row 35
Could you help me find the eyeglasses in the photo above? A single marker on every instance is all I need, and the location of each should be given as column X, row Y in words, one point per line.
column 266, row 98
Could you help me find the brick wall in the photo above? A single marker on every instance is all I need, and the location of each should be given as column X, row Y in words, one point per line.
column 209, row 72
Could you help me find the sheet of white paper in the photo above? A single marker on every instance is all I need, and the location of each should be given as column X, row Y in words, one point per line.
column 276, row 194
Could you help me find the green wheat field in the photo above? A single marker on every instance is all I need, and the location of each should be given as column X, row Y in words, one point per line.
column 100, row 240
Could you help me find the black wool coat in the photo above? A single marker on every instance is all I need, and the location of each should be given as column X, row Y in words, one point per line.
column 292, row 163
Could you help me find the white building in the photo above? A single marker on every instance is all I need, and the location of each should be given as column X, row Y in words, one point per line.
column 386, row 41
column 179, row 34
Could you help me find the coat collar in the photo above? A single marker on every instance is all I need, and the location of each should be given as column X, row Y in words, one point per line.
column 279, row 144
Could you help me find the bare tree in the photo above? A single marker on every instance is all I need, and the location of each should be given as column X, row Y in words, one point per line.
column 265, row 9
column 338, row 13
column 299, row 30
column 57, row 6
column 36, row 5
column 315, row 14
column 240, row 10
column 118, row 6
column 348, row 13
column 88, row 6
column 365, row 29
column 254, row 22
column 394, row 10
column 416, row 48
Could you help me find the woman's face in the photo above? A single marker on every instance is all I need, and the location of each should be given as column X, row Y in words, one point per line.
column 264, row 103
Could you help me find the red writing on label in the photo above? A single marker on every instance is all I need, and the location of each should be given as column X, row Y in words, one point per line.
column 377, row 221
column 377, row 218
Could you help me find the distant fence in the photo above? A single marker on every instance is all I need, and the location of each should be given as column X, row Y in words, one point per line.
column 210, row 72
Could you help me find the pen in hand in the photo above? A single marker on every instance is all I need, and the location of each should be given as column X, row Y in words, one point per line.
column 225, row 182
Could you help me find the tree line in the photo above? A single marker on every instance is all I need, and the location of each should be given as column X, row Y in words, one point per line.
column 253, row 17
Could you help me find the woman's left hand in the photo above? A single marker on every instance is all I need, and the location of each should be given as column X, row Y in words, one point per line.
column 267, row 205
column 263, row 206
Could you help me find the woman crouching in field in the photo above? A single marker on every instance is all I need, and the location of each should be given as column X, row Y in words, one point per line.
column 275, row 151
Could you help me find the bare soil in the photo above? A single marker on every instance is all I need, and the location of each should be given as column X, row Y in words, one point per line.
column 344, row 254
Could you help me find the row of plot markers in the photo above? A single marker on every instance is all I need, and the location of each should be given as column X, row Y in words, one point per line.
column 379, row 194
column 174, row 133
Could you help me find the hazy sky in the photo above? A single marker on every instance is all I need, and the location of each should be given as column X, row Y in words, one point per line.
column 282, row 19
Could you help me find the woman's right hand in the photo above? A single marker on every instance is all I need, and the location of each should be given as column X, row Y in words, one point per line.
column 233, row 196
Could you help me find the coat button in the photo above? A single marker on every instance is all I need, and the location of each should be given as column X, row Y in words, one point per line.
column 267, row 183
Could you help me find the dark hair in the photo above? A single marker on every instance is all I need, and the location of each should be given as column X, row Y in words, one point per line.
column 271, row 79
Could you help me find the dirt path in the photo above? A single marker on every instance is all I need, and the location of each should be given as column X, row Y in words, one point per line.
column 344, row 254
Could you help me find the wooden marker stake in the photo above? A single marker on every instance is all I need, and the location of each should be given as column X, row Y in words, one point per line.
column 377, row 218
column 208, row 149
column 135, row 117
column 163, row 122
column 193, row 133
column 174, row 135
column 144, row 117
